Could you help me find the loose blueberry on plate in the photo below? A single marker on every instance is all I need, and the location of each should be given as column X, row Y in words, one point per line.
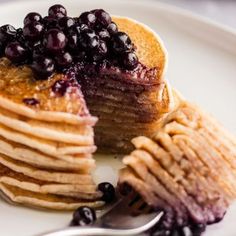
column 83, row 216
column 108, row 191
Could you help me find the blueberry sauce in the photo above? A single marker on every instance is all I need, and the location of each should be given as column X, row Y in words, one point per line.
column 31, row 101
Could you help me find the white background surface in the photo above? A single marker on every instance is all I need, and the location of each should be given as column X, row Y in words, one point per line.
column 201, row 66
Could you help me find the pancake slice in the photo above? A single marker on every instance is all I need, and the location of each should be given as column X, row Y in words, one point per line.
column 184, row 158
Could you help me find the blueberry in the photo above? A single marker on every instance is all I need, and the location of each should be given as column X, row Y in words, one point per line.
column 108, row 192
column 33, row 31
column 72, row 39
column 121, row 42
column 57, row 11
column 80, row 56
column 129, row 60
column 37, row 49
column 16, row 53
column 99, row 52
column 60, row 87
column 31, row 101
column 63, row 60
column 103, row 18
column 87, row 18
column 50, row 22
column 66, row 22
column 32, row 17
column 7, row 33
column 104, row 35
column 83, row 216
column 2, row 49
column 55, row 40
column 88, row 39
column 198, row 229
column 112, row 28
column 42, row 67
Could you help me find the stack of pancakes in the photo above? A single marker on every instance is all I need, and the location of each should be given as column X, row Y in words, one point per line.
column 188, row 168
column 46, row 141
column 128, row 103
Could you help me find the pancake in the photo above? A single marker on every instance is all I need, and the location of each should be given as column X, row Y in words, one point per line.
column 16, row 179
column 49, row 201
column 45, row 175
column 80, row 135
column 38, row 159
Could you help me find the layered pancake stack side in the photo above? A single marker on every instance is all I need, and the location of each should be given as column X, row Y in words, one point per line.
column 46, row 160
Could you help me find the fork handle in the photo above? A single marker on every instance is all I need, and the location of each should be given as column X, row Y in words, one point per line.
column 88, row 231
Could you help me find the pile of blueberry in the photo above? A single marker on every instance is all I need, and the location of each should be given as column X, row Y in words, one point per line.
column 56, row 41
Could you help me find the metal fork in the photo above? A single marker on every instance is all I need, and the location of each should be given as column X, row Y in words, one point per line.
column 129, row 216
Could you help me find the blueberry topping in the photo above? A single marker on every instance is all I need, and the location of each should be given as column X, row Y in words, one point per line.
column 72, row 39
column 129, row 60
column 31, row 101
column 60, row 87
column 16, row 53
column 57, row 11
column 121, row 42
column 83, row 216
column 7, row 33
column 2, row 49
column 63, row 60
column 108, row 191
column 99, row 52
column 33, row 30
column 88, row 39
column 80, row 56
column 66, row 22
column 87, row 18
column 55, row 40
column 104, row 35
column 112, row 28
column 52, row 43
column 50, row 22
column 42, row 67
column 32, row 17
column 102, row 17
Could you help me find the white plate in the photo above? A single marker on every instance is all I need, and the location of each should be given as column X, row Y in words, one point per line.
column 202, row 66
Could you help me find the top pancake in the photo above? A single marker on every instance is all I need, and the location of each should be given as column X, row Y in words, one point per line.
column 18, row 83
